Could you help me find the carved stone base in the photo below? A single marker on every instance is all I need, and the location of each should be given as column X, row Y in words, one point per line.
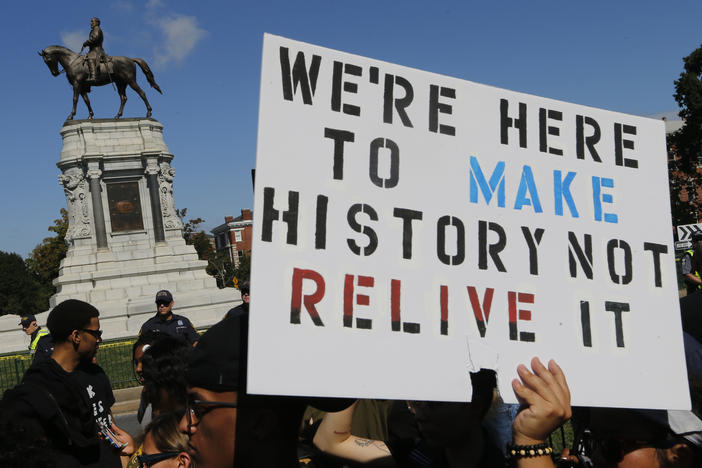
column 125, row 239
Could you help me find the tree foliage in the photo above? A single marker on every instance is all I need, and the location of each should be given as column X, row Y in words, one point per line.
column 195, row 236
column 44, row 261
column 19, row 288
column 202, row 245
column 685, row 145
column 190, row 227
column 243, row 271
column 220, row 266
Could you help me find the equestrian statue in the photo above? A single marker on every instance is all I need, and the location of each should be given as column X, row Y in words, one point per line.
column 97, row 69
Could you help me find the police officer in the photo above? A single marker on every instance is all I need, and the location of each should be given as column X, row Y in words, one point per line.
column 40, row 343
column 165, row 321
column 690, row 264
column 242, row 308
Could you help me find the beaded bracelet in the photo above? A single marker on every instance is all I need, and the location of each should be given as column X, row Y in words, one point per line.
column 528, row 451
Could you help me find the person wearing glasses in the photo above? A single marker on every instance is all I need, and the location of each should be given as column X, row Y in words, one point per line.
column 164, row 445
column 222, row 419
column 66, row 400
column 242, row 308
column 165, row 321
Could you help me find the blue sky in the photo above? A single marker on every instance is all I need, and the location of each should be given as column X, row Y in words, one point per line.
column 206, row 58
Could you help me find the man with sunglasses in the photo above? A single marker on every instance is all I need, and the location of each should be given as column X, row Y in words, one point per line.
column 165, row 321
column 66, row 399
column 242, row 308
column 223, row 419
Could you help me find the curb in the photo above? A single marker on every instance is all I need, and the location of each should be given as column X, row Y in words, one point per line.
column 126, row 400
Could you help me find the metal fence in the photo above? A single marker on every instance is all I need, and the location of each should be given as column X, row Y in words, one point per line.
column 12, row 369
column 115, row 357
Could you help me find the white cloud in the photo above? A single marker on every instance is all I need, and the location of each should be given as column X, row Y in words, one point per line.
column 154, row 4
column 123, row 5
column 74, row 39
column 181, row 36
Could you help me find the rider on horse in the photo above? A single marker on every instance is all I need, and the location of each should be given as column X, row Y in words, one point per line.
column 95, row 53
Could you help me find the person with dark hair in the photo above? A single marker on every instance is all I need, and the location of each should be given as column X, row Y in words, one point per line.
column 163, row 370
column 20, row 448
column 140, row 346
column 40, row 344
column 242, row 308
column 165, row 321
column 223, row 420
column 66, row 400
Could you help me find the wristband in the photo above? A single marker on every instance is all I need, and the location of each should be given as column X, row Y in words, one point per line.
column 515, row 452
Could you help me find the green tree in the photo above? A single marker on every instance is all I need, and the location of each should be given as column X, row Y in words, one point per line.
column 194, row 236
column 190, row 227
column 44, row 261
column 202, row 245
column 19, row 288
column 685, row 145
column 220, row 266
column 243, row 271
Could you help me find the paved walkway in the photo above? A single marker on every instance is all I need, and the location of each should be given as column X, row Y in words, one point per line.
column 126, row 400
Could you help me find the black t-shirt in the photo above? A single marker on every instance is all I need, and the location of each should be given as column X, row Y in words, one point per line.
column 62, row 408
column 410, row 450
column 96, row 392
column 177, row 326
column 406, row 445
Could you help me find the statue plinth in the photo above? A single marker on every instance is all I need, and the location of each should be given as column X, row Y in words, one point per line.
column 125, row 238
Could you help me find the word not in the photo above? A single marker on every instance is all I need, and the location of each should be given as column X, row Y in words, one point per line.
column 363, row 219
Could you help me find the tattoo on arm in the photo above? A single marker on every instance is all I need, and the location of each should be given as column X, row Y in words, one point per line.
column 379, row 445
column 363, row 442
column 382, row 447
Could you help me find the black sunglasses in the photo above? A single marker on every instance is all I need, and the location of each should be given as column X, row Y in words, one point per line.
column 97, row 334
column 148, row 460
column 163, row 303
column 196, row 409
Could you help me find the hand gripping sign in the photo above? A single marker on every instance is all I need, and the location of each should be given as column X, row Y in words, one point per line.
column 411, row 227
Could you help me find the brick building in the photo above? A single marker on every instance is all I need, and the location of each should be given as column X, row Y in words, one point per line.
column 234, row 236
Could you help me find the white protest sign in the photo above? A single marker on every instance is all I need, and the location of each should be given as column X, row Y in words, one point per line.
column 410, row 226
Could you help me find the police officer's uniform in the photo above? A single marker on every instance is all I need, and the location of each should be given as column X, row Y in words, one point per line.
column 175, row 325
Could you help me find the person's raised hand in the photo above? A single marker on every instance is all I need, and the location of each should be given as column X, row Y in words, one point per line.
column 545, row 396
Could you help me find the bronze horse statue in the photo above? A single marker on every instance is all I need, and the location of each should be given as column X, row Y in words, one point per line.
column 120, row 70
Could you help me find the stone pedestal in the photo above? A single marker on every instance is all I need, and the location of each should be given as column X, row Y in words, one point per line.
column 125, row 239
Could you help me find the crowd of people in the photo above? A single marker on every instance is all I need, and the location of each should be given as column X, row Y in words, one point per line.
column 195, row 410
